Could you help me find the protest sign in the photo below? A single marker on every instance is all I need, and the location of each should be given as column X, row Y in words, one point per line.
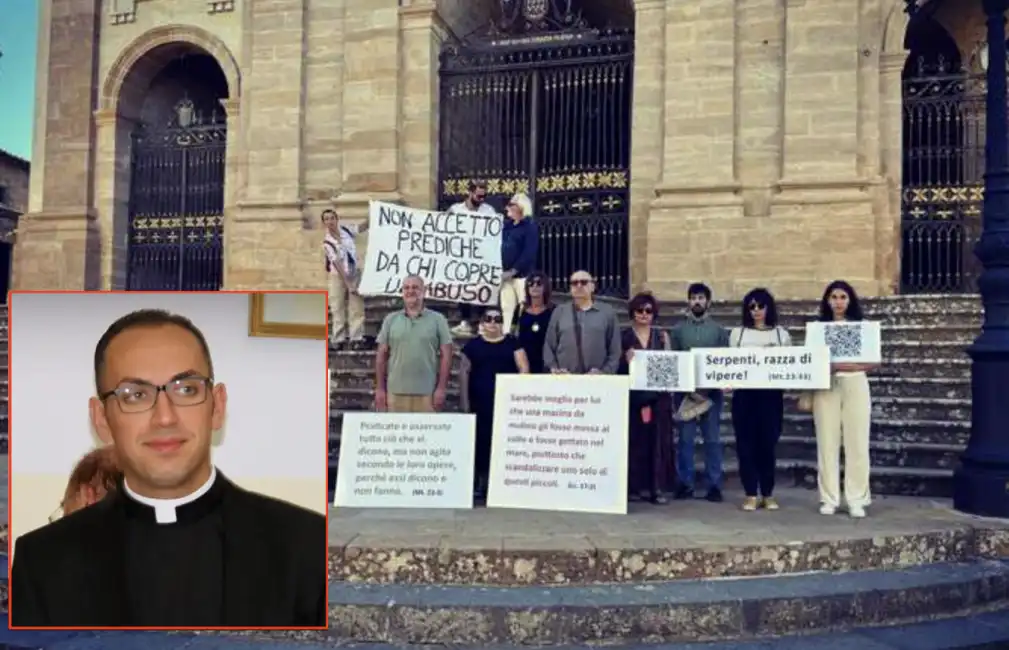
column 406, row 460
column 560, row 443
column 662, row 370
column 849, row 341
column 457, row 254
column 787, row 368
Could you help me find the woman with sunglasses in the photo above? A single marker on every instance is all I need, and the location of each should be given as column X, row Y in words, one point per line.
column 650, row 434
column 537, row 309
column 491, row 353
column 757, row 414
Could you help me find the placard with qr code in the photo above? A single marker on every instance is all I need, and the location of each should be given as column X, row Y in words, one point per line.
column 849, row 341
column 662, row 370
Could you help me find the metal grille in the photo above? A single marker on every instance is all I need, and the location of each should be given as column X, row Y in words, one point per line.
column 943, row 177
column 549, row 116
column 177, row 204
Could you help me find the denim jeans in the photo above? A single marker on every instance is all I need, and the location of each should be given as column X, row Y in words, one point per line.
column 710, row 425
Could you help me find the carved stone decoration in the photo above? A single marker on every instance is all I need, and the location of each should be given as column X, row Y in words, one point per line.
column 535, row 17
column 220, row 6
column 122, row 12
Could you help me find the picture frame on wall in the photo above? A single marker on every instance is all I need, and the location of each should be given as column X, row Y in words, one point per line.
column 292, row 315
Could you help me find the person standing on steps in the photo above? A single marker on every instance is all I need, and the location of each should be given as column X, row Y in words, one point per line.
column 583, row 337
column 475, row 202
column 757, row 413
column 532, row 330
column 697, row 412
column 414, row 356
column 520, row 242
column 842, row 416
column 346, row 305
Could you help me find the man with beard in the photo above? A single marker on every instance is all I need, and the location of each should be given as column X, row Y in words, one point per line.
column 699, row 412
column 476, row 202
column 176, row 544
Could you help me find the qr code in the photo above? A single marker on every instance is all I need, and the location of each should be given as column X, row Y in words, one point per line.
column 662, row 372
column 844, row 340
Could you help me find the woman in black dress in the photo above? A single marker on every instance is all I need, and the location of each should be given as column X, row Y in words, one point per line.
column 536, row 312
column 490, row 354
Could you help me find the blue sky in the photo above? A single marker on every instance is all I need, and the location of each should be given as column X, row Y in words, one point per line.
column 18, row 33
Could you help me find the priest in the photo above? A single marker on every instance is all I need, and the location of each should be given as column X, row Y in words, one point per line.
column 177, row 544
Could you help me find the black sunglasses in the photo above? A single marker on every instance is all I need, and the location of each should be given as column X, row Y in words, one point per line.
column 493, row 319
column 643, row 310
column 756, row 306
column 535, row 282
column 580, row 283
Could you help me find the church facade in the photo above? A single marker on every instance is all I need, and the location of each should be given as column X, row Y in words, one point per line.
column 192, row 144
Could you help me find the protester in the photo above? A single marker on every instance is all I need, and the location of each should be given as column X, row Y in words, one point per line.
column 520, row 240
column 475, row 202
column 699, row 412
column 535, row 318
column 584, row 336
column 94, row 476
column 414, row 356
column 650, row 435
column 842, row 416
column 346, row 305
column 758, row 413
column 493, row 352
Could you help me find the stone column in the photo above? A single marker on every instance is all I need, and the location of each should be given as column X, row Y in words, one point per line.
column 58, row 241
column 112, row 194
column 647, row 128
column 323, row 106
column 891, row 160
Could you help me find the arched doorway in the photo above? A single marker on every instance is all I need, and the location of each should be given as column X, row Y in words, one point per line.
column 540, row 102
column 177, row 175
column 943, row 162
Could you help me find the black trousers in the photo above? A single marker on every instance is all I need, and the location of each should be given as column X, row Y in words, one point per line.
column 756, row 421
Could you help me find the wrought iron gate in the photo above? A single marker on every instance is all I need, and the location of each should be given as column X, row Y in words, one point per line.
column 943, row 177
column 550, row 116
column 177, row 204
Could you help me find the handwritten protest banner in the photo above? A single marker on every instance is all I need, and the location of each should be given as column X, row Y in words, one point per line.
column 560, row 443
column 662, row 370
column 787, row 368
column 457, row 254
column 406, row 460
column 849, row 341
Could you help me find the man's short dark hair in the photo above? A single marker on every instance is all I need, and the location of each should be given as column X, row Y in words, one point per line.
column 477, row 185
column 146, row 318
column 699, row 288
column 322, row 215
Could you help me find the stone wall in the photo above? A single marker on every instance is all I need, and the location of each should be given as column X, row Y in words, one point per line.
column 14, row 179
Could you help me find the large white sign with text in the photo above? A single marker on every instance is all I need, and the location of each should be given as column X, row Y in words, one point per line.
column 457, row 254
column 406, row 460
column 849, row 341
column 560, row 443
column 786, row 368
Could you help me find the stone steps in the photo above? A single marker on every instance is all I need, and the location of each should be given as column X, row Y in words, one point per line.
column 665, row 612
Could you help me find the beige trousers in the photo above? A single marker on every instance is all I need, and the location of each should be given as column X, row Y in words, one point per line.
column 410, row 403
column 842, row 417
column 513, row 295
column 347, row 310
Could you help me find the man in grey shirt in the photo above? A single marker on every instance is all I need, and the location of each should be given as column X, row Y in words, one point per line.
column 583, row 337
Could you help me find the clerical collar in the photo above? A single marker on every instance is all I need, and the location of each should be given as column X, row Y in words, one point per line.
column 170, row 511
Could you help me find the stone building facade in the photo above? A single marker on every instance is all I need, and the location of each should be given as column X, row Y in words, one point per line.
column 765, row 136
column 14, row 174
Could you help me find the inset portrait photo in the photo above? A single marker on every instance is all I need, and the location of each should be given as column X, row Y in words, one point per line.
column 168, row 460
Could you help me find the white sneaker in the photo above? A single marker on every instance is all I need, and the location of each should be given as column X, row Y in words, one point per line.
column 856, row 512
column 827, row 509
column 463, row 329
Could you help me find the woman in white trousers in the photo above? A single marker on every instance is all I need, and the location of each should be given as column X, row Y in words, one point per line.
column 842, row 416
column 519, row 248
column 346, row 305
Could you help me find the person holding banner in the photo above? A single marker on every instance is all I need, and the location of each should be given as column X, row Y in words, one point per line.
column 520, row 242
column 493, row 352
column 346, row 305
column 758, row 413
column 583, row 337
column 842, row 416
column 475, row 203
column 650, row 439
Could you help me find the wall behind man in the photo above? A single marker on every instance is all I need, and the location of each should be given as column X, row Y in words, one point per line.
column 275, row 435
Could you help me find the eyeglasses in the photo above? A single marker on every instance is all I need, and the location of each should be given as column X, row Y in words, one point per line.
column 141, row 396
column 754, row 306
column 493, row 319
column 535, row 282
column 580, row 282
column 643, row 310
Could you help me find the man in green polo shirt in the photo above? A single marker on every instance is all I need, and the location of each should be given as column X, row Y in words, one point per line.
column 414, row 356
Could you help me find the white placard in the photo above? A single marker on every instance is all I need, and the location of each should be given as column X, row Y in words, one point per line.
column 788, row 368
column 560, row 443
column 457, row 254
column 662, row 370
column 848, row 341
column 406, row 460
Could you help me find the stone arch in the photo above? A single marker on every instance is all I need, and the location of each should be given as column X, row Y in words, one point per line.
column 894, row 29
column 146, row 56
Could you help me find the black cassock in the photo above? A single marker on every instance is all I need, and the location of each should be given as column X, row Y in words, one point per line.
column 232, row 558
